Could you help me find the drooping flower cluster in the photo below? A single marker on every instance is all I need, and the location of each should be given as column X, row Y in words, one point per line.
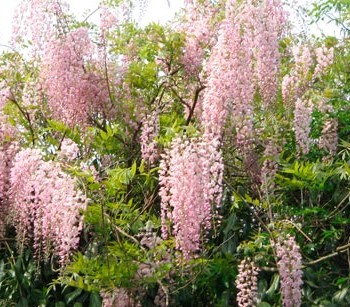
column 8, row 148
column 7, row 152
column 7, row 131
column 38, row 21
column 190, row 177
column 32, row 98
column 269, row 23
column 118, row 298
column 68, row 150
column 245, row 55
column 295, row 84
column 270, row 166
column 198, row 34
column 107, row 19
column 302, row 125
column 329, row 137
column 46, row 206
column 230, row 84
column 305, row 57
column 73, row 92
column 149, row 133
column 324, row 58
column 247, row 283
column 289, row 268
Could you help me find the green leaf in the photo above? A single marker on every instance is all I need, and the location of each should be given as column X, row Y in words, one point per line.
column 340, row 295
column 133, row 169
column 95, row 300
column 273, row 287
column 23, row 302
column 70, row 297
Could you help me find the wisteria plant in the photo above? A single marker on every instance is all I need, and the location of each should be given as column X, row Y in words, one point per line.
column 204, row 162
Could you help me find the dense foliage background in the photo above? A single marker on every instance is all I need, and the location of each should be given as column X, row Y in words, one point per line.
column 201, row 163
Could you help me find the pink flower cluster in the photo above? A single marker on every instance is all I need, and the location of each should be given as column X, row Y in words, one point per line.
column 324, row 58
column 270, row 166
column 46, row 206
column 149, row 133
column 191, row 186
column 73, row 92
column 230, row 84
column 37, row 21
column 270, row 20
column 329, row 137
column 7, row 152
column 247, row 284
column 305, row 58
column 295, row 83
column 32, row 97
column 245, row 55
column 119, row 297
column 69, row 150
column 7, row 131
column 289, row 268
column 198, row 33
column 302, row 125
column 8, row 149
column 107, row 19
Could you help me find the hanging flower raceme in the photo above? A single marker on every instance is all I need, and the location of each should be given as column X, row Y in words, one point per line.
column 309, row 64
column 324, row 59
column 247, row 284
column 119, row 297
column 245, row 56
column 73, row 92
column 302, row 125
column 197, row 28
column 329, row 137
column 270, row 166
column 38, row 21
column 68, row 150
column 149, row 133
column 46, row 206
column 269, row 22
column 191, row 187
column 230, row 85
column 289, row 268
column 8, row 148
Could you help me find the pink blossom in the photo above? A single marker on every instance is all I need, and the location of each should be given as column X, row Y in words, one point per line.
column 46, row 206
column 8, row 150
column 270, row 166
column 302, row 125
column 7, row 131
column 289, row 268
column 36, row 21
column 68, row 150
column 247, row 284
column 297, row 81
column 107, row 19
column 191, row 178
column 149, row 133
column 324, row 58
column 74, row 94
column 329, row 137
column 119, row 297
column 305, row 57
column 270, row 20
column 198, row 29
